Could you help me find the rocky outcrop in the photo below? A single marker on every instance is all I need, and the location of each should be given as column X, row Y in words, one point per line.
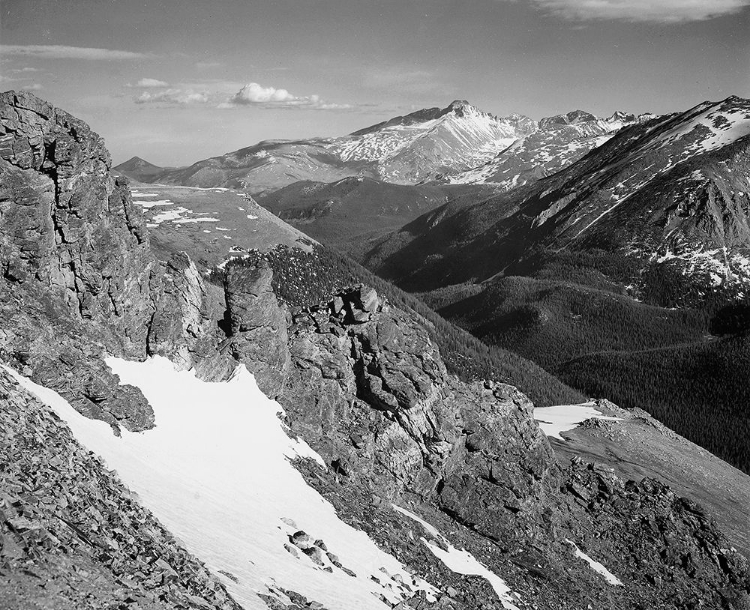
column 67, row 223
column 374, row 398
column 185, row 324
column 77, row 277
column 257, row 325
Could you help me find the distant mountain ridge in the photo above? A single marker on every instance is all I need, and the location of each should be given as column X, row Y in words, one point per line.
column 410, row 149
column 654, row 188
column 141, row 170
column 557, row 142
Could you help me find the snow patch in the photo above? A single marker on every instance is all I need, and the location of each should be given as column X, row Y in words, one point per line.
column 151, row 204
column 463, row 562
column 595, row 565
column 184, row 221
column 169, row 215
column 216, row 472
column 562, row 418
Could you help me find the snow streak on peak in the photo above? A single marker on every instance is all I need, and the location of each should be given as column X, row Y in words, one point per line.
column 552, row 145
column 708, row 126
column 409, row 149
column 216, row 472
column 463, row 562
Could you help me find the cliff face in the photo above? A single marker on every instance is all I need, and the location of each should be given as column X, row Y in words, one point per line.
column 370, row 391
column 67, row 223
column 77, row 275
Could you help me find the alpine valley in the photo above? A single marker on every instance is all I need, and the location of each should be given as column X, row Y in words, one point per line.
column 528, row 391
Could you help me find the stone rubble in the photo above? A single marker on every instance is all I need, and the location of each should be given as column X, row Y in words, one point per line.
column 72, row 536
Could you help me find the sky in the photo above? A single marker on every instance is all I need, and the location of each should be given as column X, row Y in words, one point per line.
column 177, row 81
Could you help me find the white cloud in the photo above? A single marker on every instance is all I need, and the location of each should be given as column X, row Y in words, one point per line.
column 659, row 11
column 32, row 87
column 254, row 94
column 173, row 96
column 64, row 52
column 150, row 82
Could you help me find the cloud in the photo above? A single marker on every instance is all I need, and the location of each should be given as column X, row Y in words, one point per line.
column 254, row 94
column 64, row 52
column 205, row 65
column 658, row 11
column 180, row 97
column 32, row 87
column 150, row 82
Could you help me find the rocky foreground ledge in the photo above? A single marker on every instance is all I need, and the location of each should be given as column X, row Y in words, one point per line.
column 72, row 536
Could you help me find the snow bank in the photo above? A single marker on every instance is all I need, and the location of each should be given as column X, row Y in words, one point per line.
column 595, row 565
column 561, row 418
column 151, row 204
column 216, row 472
column 463, row 562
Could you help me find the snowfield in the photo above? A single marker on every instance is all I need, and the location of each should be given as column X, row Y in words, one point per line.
column 216, row 472
column 562, row 418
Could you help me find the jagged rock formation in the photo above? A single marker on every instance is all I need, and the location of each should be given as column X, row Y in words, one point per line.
column 78, row 276
column 66, row 223
column 258, row 325
column 380, row 406
column 184, row 326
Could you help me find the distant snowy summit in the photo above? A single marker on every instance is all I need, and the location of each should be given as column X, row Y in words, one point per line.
column 409, row 149
column 553, row 144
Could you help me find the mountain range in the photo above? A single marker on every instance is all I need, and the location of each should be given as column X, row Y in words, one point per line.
column 424, row 145
column 203, row 407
